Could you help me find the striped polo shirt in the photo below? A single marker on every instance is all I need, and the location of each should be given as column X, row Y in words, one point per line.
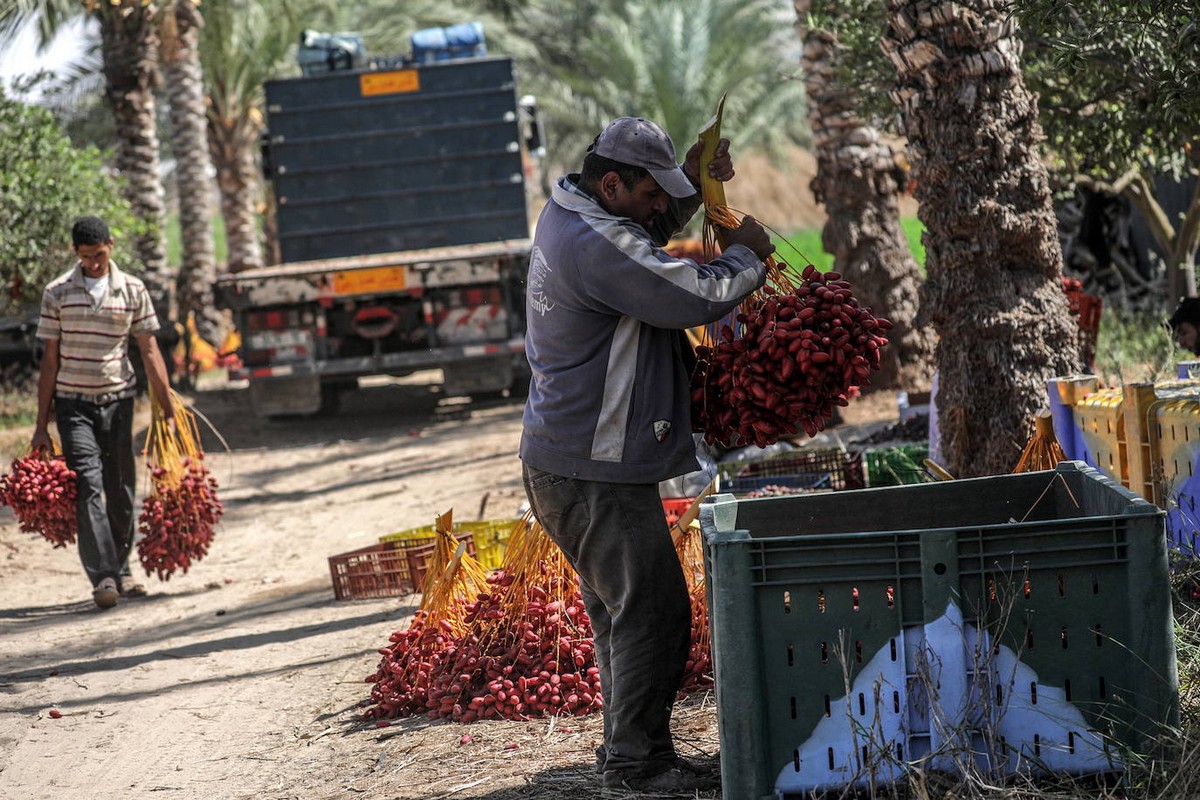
column 94, row 334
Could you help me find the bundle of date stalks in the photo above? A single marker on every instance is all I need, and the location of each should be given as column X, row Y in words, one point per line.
column 41, row 491
column 795, row 350
column 182, row 510
column 793, row 354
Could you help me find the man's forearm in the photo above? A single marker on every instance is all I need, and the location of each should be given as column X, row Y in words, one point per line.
column 156, row 372
column 47, row 378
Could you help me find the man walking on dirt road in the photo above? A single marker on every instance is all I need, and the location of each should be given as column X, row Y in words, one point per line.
column 86, row 376
column 609, row 415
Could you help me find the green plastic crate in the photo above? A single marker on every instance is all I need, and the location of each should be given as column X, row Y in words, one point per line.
column 1022, row 622
column 901, row 465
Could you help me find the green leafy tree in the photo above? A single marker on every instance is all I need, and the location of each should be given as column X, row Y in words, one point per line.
column 45, row 183
column 667, row 60
column 129, row 53
column 1118, row 88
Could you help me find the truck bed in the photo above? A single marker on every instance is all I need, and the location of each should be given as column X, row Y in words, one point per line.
column 380, row 160
column 410, row 271
column 416, row 259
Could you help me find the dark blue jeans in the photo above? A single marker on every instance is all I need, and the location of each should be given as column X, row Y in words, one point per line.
column 97, row 441
column 616, row 537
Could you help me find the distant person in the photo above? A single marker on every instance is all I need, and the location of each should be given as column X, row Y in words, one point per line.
column 87, row 379
column 1185, row 325
column 609, row 415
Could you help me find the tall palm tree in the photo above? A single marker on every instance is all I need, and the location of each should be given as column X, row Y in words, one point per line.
column 129, row 50
column 180, row 32
column 244, row 43
column 859, row 183
column 993, row 259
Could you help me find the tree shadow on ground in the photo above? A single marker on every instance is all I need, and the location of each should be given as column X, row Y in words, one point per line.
column 369, row 412
column 229, row 638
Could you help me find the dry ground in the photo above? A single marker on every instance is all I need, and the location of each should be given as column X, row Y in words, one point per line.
column 242, row 678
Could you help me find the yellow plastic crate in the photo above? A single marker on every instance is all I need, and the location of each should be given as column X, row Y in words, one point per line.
column 491, row 539
column 1176, row 454
column 411, row 535
column 490, row 535
column 1101, row 421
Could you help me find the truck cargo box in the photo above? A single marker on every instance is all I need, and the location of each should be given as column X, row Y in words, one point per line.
column 379, row 161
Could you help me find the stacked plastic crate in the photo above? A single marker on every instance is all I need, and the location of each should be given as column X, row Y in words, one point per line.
column 1146, row 436
column 396, row 565
column 810, row 469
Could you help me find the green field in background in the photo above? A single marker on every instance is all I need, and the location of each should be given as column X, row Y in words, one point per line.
column 804, row 246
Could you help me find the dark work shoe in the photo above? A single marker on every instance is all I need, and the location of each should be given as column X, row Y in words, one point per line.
column 689, row 767
column 671, row 780
column 105, row 593
column 601, row 757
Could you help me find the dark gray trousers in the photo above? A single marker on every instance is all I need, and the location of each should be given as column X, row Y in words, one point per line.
column 97, row 441
column 615, row 535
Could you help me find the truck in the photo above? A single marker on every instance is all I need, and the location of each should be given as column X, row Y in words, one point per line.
column 403, row 225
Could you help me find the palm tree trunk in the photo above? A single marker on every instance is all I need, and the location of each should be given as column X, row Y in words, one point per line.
column 274, row 250
column 994, row 264
column 234, row 145
column 129, row 45
column 185, row 92
column 859, row 183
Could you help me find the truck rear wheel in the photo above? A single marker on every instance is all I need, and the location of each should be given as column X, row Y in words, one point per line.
column 331, row 397
column 522, row 374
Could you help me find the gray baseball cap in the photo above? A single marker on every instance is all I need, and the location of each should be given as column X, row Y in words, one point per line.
column 640, row 143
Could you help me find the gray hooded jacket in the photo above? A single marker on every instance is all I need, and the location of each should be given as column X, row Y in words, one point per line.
column 610, row 400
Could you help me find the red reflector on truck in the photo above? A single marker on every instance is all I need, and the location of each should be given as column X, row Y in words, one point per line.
column 272, row 320
column 374, row 322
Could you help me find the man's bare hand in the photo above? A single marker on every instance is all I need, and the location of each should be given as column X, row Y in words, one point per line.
column 41, row 441
column 752, row 235
column 720, row 167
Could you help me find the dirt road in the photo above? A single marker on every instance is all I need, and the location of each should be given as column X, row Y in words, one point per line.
column 241, row 679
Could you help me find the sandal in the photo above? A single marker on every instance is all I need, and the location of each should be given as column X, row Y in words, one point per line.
column 131, row 588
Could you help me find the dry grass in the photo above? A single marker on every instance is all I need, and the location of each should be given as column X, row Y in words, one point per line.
column 547, row 759
column 552, row 759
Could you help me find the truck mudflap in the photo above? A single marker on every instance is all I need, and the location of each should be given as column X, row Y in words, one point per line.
column 381, row 364
column 298, row 395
